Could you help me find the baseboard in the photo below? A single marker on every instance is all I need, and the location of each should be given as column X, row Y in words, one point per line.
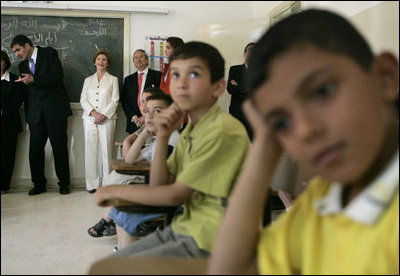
column 24, row 184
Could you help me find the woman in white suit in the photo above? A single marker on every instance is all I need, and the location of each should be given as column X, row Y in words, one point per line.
column 99, row 100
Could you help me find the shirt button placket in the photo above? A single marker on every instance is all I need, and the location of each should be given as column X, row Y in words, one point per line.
column 97, row 95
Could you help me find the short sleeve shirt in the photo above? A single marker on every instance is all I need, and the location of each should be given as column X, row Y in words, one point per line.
column 208, row 158
column 306, row 241
column 148, row 151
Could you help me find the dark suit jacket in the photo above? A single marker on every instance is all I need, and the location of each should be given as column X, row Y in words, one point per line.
column 12, row 95
column 129, row 95
column 237, row 91
column 46, row 95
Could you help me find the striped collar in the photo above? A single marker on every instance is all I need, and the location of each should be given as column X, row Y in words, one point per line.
column 371, row 203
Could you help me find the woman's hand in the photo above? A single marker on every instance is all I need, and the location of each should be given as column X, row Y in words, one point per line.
column 98, row 117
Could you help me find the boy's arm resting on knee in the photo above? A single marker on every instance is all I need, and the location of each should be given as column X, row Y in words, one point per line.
column 167, row 195
column 235, row 248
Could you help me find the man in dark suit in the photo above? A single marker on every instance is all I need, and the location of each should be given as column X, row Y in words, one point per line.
column 131, row 95
column 46, row 110
column 236, row 88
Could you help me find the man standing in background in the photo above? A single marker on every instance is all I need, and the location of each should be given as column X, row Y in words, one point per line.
column 47, row 108
column 235, row 87
column 132, row 90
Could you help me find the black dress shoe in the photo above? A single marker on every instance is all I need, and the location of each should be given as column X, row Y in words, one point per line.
column 64, row 190
column 37, row 190
column 91, row 191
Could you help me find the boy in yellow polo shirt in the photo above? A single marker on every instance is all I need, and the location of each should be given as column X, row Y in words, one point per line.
column 318, row 92
column 204, row 165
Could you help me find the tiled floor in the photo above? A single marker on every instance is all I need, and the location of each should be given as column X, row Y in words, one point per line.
column 46, row 233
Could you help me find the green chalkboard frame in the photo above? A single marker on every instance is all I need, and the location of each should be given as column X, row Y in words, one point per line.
column 69, row 13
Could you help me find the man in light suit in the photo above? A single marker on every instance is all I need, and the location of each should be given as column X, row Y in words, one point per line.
column 131, row 96
column 235, row 87
column 46, row 110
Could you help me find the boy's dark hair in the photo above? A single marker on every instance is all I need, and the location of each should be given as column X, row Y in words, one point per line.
column 6, row 59
column 153, row 90
column 323, row 29
column 102, row 52
column 161, row 97
column 247, row 46
column 20, row 40
column 209, row 54
column 175, row 41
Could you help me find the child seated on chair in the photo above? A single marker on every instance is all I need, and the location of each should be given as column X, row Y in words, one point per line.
column 318, row 92
column 127, row 223
column 132, row 147
column 203, row 166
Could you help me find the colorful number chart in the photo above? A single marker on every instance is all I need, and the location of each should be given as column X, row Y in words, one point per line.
column 155, row 48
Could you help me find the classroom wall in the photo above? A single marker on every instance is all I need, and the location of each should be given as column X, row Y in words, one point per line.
column 182, row 20
column 227, row 26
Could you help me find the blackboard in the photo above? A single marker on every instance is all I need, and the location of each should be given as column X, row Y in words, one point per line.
column 75, row 39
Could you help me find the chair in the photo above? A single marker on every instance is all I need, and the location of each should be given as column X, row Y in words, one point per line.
column 288, row 181
column 119, row 149
column 147, row 227
column 150, row 226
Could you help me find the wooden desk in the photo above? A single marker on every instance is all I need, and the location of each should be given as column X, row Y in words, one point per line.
column 142, row 168
column 149, row 266
column 131, row 207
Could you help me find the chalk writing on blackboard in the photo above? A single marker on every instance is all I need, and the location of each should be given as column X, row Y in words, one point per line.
column 75, row 39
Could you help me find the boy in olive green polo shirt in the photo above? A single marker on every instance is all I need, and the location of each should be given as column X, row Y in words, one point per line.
column 204, row 165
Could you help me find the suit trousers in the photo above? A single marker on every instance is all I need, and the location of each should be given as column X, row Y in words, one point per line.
column 57, row 133
column 8, row 150
column 93, row 133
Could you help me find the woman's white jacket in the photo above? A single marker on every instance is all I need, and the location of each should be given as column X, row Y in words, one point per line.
column 101, row 96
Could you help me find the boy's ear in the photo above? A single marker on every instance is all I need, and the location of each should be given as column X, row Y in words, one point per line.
column 386, row 66
column 219, row 87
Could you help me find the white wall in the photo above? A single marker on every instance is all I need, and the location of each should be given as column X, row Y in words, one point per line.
column 380, row 25
column 226, row 25
column 182, row 20
column 378, row 21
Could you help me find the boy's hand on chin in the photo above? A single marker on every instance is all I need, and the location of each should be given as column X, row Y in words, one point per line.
column 169, row 120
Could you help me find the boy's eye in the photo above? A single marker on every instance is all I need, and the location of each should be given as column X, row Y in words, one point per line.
column 147, row 111
column 323, row 91
column 157, row 111
column 174, row 76
column 281, row 124
column 194, row 74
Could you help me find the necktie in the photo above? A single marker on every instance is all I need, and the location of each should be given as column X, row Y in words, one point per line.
column 140, row 88
column 32, row 64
